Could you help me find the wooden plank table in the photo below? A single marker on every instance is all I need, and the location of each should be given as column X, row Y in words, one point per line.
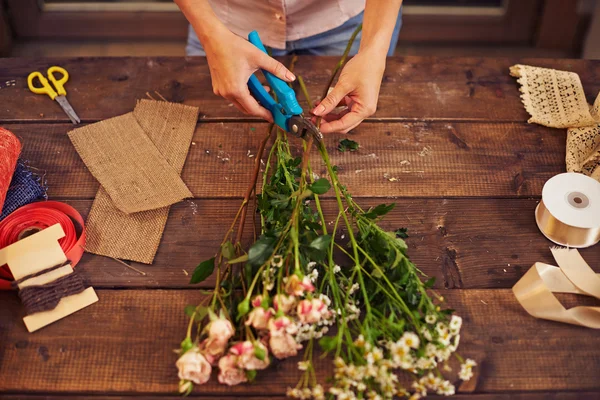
column 467, row 196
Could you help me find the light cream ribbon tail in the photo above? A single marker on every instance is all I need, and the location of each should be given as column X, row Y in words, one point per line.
column 535, row 290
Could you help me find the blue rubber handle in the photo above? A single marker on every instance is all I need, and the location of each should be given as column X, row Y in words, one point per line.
column 285, row 94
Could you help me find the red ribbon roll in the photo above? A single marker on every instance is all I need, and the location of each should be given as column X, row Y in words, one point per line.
column 34, row 217
column 10, row 148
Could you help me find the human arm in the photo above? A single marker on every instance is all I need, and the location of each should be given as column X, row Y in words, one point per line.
column 360, row 79
column 231, row 59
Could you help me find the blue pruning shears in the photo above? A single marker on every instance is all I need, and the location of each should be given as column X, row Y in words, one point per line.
column 287, row 113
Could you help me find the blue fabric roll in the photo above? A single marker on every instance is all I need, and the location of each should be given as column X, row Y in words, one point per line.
column 25, row 187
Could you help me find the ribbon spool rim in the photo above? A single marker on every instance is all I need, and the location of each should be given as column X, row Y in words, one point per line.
column 557, row 231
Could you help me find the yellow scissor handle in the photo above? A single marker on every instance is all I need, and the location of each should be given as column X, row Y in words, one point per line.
column 59, row 84
column 45, row 89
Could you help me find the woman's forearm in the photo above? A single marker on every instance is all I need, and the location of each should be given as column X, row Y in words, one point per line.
column 201, row 16
column 378, row 25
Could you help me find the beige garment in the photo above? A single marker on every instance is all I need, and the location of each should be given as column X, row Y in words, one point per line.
column 121, row 156
column 285, row 20
column 556, row 99
column 136, row 236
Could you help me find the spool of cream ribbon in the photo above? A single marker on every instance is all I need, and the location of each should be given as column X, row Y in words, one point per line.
column 569, row 213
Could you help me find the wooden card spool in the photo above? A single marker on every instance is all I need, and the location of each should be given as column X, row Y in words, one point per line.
column 36, row 253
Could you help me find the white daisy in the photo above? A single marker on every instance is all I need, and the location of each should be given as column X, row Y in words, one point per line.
column 410, row 339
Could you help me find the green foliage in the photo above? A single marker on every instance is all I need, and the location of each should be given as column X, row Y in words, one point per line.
column 203, row 271
column 348, row 145
column 379, row 211
column 401, row 233
column 197, row 312
column 261, row 250
column 328, row 343
column 320, row 186
column 227, row 250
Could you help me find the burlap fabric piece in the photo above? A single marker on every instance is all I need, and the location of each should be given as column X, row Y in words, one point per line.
column 121, row 156
column 136, row 236
column 556, row 99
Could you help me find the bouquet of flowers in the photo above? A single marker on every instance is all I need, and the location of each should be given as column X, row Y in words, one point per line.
column 347, row 287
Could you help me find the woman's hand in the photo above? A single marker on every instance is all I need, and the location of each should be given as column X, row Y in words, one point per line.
column 232, row 60
column 358, row 89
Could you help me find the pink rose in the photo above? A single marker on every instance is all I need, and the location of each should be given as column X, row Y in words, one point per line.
column 193, row 367
column 293, row 286
column 281, row 325
column 259, row 318
column 283, row 345
column 321, row 307
column 220, row 329
column 283, row 303
column 229, row 373
column 257, row 301
column 246, row 352
column 307, row 312
column 213, row 348
column 307, row 284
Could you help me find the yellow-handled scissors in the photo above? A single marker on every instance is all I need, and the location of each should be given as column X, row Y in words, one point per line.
column 60, row 94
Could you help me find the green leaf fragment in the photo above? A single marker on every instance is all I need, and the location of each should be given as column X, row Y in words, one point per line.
column 227, row 250
column 240, row 259
column 348, row 145
column 328, row 343
column 401, row 233
column 261, row 250
column 197, row 312
column 320, row 186
column 321, row 243
column 203, row 271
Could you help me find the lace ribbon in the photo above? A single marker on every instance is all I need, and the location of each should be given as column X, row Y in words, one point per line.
column 556, row 99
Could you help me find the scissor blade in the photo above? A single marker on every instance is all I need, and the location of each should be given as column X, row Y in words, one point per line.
column 304, row 128
column 64, row 103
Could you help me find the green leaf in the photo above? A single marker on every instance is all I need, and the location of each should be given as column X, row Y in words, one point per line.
column 320, row 186
column 197, row 312
column 240, row 259
column 186, row 345
column 260, row 353
column 379, row 210
column 203, row 271
column 348, row 145
column 251, row 374
column 401, row 233
column 243, row 308
column 328, row 343
column 261, row 250
column 227, row 250
column 429, row 283
column 321, row 243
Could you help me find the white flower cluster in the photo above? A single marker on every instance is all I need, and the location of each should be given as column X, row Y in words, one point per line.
column 441, row 386
column 316, row 393
column 466, row 369
column 307, row 331
column 415, row 353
